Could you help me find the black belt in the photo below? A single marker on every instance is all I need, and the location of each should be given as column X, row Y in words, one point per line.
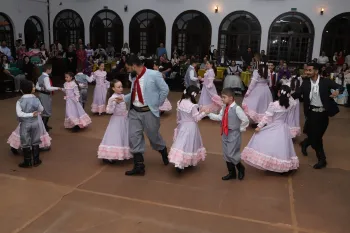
column 45, row 92
column 141, row 109
column 317, row 109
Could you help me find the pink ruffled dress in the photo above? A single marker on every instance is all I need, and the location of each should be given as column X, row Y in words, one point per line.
column 75, row 114
column 294, row 118
column 257, row 98
column 187, row 149
column 272, row 148
column 115, row 143
column 209, row 96
column 166, row 107
column 100, row 92
column 15, row 141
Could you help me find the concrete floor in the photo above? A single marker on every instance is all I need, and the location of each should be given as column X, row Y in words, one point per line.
column 74, row 192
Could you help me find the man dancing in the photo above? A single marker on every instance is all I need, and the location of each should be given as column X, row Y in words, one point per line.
column 148, row 92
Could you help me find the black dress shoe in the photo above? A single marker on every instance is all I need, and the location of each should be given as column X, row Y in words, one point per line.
column 303, row 148
column 108, row 161
column 320, row 164
column 178, row 170
column 164, row 154
column 241, row 171
column 14, row 151
column 231, row 172
column 27, row 154
column 36, row 156
column 138, row 170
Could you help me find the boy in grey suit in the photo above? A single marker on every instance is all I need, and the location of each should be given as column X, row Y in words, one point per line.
column 148, row 92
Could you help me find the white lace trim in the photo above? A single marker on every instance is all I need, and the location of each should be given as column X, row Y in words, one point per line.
column 186, row 106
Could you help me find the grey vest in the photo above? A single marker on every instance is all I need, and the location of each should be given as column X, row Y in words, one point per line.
column 29, row 105
column 234, row 123
column 188, row 81
column 81, row 78
column 42, row 83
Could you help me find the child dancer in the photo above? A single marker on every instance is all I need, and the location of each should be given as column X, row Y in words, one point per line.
column 271, row 147
column 76, row 117
column 83, row 82
column 166, row 107
column 28, row 107
column 115, row 143
column 15, row 141
column 44, row 86
column 187, row 149
column 209, row 97
column 258, row 96
column 233, row 122
column 100, row 92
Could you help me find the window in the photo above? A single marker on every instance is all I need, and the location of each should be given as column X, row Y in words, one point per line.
column 106, row 27
column 6, row 31
column 191, row 33
column 147, row 31
column 68, row 28
column 33, row 31
column 336, row 35
column 291, row 38
column 238, row 31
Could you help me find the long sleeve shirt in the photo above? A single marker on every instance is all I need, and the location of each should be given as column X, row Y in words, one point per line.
column 20, row 112
column 47, row 84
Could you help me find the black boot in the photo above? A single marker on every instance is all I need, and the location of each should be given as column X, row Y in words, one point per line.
column 46, row 120
column 231, row 172
column 36, row 156
column 241, row 171
column 179, row 170
column 27, row 163
column 164, row 154
column 304, row 145
column 139, row 167
column 321, row 160
column 76, row 129
column 83, row 105
column 14, row 151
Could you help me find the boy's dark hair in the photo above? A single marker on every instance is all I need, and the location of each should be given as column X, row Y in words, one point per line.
column 47, row 67
column 134, row 60
column 228, row 91
column 193, row 61
column 26, row 86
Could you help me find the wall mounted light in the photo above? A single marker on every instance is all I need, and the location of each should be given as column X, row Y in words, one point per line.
column 126, row 8
column 322, row 11
column 216, row 9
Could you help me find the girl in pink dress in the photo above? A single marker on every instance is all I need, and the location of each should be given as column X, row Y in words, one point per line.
column 187, row 149
column 115, row 142
column 258, row 96
column 209, row 100
column 100, row 92
column 166, row 107
column 271, row 147
column 76, row 117
column 15, row 141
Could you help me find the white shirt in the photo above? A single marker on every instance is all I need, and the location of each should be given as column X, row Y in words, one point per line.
column 6, row 51
column 347, row 59
column 47, row 84
column 126, row 50
column 222, row 60
column 240, row 114
column 316, row 99
column 19, row 111
column 136, row 102
column 323, row 60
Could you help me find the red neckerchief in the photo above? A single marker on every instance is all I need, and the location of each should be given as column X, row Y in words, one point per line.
column 138, row 87
column 51, row 84
column 224, row 121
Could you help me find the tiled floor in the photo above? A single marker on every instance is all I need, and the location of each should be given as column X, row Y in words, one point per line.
column 74, row 192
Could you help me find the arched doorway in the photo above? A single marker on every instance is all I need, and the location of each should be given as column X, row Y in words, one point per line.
column 147, row 31
column 33, row 31
column 68, row 28
column 238, row 31
column 191, row 33
column 291, row 38
column 336, row 35
column 106, row 27
column 6, row 31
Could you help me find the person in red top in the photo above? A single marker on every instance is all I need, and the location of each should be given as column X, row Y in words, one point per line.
column 341, row 59
column 233, row 122
column 81, row 57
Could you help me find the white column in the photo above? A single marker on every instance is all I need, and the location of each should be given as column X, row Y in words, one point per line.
column 168, row 39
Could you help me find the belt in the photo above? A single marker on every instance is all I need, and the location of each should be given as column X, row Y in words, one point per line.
column 45, row 92
column 317, row 109
column 141, row 109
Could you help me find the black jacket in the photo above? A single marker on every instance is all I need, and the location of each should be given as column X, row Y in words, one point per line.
column 325, row 87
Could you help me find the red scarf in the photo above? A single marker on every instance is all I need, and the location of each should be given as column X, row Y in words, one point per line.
column 138, row 87
column 224, row 121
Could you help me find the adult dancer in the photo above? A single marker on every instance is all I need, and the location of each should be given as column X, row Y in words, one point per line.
column 148, row 92
column 318, row 107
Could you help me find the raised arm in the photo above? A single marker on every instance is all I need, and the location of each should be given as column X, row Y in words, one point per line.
column 111, row 105
column 192, row 76
column 48, row 86
column 197, row 116
column 216, row 117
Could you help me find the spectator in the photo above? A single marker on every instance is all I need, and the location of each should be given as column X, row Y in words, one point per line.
column 161, row 50
column 166, row 64
column 323, row 59
column 125, row 49
column 247, row 57
column 4, row 49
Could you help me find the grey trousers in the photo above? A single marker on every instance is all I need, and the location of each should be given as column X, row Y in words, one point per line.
column 46, row 101
column 29, row 133
column 140, row 122
column 83, row 95
column 18, row 80
column 231, row 146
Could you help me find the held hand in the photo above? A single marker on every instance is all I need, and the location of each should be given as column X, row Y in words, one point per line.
column 257, row 129
column 334, row 94
column 119, row 99
column 35, row 113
